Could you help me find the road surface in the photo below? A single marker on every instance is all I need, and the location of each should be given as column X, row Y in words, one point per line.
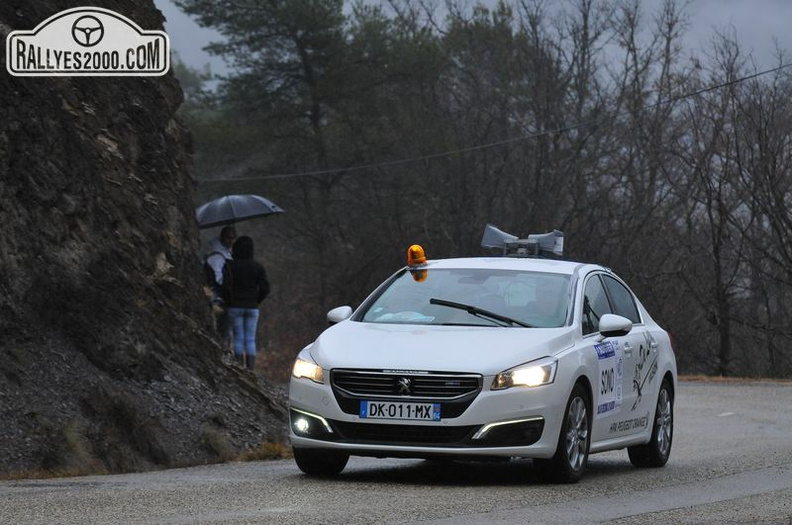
column 731, row 462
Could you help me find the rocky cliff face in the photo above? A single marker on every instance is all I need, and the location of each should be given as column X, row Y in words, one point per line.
column 106, row 356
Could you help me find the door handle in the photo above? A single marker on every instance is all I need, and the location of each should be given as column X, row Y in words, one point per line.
column 627, row 350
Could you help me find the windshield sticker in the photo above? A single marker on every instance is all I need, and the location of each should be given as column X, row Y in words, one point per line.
column 611, row 372
column 405, row 317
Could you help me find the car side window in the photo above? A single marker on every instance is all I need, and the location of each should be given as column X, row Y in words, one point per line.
column 623, row 302
column 595, row 305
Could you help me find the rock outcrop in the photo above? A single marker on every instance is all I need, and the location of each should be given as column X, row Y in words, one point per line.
column 107, row 362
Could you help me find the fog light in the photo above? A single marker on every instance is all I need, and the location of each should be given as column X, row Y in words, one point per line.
column 519, row 432
column 301, row 426
column 310, row 425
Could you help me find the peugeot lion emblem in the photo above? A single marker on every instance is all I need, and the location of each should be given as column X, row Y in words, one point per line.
column 403, row 386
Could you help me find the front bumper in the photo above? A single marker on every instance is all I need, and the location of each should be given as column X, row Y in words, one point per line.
column 517, row 422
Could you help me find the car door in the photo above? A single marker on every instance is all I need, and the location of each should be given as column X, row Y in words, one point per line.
column 614, row 392
column 640, row 358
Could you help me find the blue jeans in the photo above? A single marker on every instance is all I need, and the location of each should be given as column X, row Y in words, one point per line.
column 244, row 322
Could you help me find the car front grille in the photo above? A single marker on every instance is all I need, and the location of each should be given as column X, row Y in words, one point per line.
column 455, row 392
column 437, row 386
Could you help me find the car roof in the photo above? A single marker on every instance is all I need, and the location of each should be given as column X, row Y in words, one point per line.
column 513, row 263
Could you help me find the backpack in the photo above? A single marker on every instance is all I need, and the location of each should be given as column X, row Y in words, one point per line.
column 209, row 273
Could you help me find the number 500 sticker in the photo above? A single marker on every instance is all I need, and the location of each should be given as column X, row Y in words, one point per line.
column 611, row 371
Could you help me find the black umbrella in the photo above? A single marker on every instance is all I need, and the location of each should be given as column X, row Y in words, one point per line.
column 234, row 208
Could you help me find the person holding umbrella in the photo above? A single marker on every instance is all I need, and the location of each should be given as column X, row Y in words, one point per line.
column 225, row 211
column 220, row 252
column 245, row 285
column 213, row 265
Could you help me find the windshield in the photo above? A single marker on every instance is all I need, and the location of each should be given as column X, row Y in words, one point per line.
column 535, row 299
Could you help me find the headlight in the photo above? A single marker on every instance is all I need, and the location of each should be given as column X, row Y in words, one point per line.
column 305, row 367
column 535, row 373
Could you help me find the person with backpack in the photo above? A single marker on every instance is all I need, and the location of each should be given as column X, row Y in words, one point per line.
column 245, row 285
column 214, row 262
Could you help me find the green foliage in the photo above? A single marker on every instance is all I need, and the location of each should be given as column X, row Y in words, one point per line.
column 192, row 82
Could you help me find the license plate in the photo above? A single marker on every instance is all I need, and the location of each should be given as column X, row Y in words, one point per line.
column 388, row 410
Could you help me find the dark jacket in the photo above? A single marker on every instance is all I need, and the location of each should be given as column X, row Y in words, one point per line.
column 245, row 283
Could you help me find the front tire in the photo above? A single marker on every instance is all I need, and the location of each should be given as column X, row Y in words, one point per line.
column 571, row 456
column 655, row 453
column 320, row 462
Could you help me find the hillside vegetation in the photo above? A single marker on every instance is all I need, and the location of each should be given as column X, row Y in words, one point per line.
column 377, row 125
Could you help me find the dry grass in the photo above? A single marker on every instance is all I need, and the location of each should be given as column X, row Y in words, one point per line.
column 76, row 456
column 267, row 451
column 70, row 455
column 213, row 438
column 218, row 443
column 45, row 474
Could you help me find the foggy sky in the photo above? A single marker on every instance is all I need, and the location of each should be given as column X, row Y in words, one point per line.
column 755, row 23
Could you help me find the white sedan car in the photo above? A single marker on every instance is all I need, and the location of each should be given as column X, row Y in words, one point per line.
column 487, row 358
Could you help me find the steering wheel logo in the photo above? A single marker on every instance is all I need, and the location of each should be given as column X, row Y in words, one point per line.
column 87, row 31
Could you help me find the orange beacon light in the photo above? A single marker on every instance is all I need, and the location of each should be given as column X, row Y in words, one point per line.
column 415, row 255
column 416, row 260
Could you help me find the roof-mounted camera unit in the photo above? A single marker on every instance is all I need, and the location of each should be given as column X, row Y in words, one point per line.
column 547, row 245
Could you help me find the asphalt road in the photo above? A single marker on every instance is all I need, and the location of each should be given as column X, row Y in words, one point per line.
column 731, row 463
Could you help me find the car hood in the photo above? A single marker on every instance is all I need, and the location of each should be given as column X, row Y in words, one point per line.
column 484, row 350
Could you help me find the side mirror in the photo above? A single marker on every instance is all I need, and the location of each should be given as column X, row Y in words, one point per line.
column 612, row 325
column 338, row 314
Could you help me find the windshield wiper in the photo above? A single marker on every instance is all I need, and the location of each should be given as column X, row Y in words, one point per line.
column 479, row 312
